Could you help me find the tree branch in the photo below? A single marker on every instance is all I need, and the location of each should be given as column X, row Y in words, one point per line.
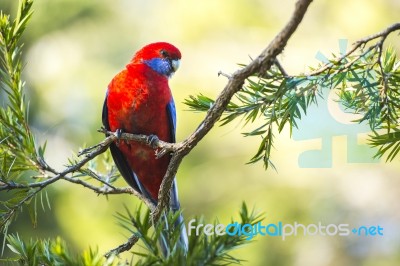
column 90, row 154
column 261, row 64
column 132, row 240
column 361, row 43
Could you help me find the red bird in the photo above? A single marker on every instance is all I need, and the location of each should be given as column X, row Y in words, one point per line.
column 139, row 101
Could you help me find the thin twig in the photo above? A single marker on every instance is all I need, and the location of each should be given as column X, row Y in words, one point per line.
column 132, row 240
column 96, row 176
column 360, row 43
column 110, row 191
column 220, row 73
column 281, row 69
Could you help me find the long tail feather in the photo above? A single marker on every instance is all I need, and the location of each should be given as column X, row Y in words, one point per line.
column 179, row 223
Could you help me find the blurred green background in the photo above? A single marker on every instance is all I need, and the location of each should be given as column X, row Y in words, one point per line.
column 74, row 48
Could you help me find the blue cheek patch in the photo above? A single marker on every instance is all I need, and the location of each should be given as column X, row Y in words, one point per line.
column 160, row 65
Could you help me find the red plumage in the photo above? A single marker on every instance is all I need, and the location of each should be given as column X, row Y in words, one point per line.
column 139, row 101
column 136, row 102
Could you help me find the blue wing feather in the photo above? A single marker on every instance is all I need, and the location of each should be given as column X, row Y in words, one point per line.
column 174, row 200
column 171, row 112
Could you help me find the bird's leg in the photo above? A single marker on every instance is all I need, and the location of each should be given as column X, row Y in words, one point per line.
column 153, row 140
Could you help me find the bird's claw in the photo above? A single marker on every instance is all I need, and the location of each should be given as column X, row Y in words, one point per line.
column 118, row 133
column 153, row 140
column 160, row 153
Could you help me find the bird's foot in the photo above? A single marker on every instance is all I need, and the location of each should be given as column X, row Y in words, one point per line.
column 118, row 134
column 153, row 140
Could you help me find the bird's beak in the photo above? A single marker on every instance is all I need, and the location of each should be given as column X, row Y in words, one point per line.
column 175, row 64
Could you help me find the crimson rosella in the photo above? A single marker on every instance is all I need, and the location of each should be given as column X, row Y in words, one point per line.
column 139, row 101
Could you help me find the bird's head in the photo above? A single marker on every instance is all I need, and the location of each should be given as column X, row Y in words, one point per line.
column 162, row 57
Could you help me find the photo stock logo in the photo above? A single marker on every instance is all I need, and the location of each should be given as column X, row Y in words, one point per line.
column 283, row 230
column 328, row 119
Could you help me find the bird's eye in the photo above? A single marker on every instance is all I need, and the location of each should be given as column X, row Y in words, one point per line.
column 164, row 53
